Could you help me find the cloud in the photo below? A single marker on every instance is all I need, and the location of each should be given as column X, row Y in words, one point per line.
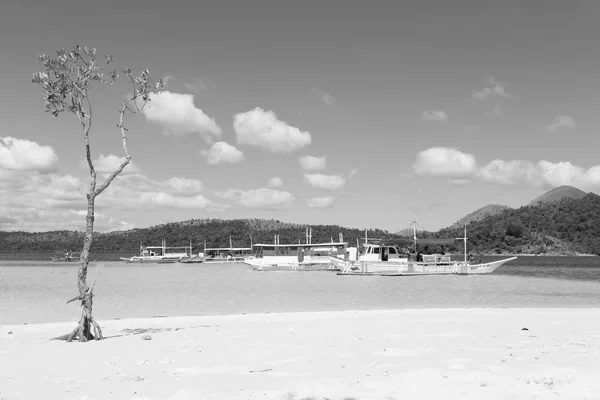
column 263, row 198
column 325, row 97
column 321, row 202
column 178, row 116
column 311, row 163
column 275, row 182
column 262, row 128
column 222, row 152
column 497, row 111
column 495, row 89
column 106, row 165
column 43, row 202
column 461, row 168
column 434, row 116
column 36, row 202
column 183, row 186
column 327, row 182
column 25, row 155
column 561, row 122
column 442, row 161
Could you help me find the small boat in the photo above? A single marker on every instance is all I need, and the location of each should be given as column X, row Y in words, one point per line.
column 160, row 254
column 297, row 257
column 383, row 257
column 69, row 256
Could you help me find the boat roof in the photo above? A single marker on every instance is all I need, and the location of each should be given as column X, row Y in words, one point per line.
column 296, row 245
column 166, row 247
column 404, row 241
column 228, row 248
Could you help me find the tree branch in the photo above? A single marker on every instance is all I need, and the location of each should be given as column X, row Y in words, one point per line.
column 127, row 156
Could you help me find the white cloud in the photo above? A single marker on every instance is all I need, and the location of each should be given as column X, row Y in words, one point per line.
column 25, row 155
column 275, row 182
column 325, row 97
column 561, row 122
column 327, row 182
column 515, row 172
column 222, row 152
column 462, row 167
column 495, row 89
column 183, row 186
column 38, row 202
column 443, row 161
column 178, row 115
column 106, row 165
column 263, row 198
column 434, row 115
column 311, row 163
column 321, row 202
column 262, row 128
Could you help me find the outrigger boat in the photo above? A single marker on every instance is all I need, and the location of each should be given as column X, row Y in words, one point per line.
column 160, row 254
column 221, row 255
column 383, row 257
column 297, row 257
column 69, row 256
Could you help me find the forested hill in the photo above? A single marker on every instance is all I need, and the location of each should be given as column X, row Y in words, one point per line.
column 216, row 233
column 565, row 226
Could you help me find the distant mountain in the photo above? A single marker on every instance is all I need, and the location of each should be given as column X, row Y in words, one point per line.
column 559, row 193
column 478, row 215
column 566, row 225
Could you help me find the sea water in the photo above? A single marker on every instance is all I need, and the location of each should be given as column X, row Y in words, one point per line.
column 36, row 291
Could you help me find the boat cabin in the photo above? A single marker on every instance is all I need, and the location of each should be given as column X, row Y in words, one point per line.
column 227, row 252
column 382, row 252
column 299, row 252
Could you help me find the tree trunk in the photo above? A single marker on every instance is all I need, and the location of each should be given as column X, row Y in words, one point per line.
column 87, row 323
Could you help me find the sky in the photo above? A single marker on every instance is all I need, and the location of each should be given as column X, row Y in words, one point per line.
column 373, row 114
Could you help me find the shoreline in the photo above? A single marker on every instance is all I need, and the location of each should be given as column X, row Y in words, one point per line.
column 474, row 353
column 284, row 315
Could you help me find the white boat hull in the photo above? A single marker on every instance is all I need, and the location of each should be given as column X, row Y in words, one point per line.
column 403, row 268
column 274, row 264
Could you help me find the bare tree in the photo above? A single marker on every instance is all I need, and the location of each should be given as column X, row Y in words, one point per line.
column 67, row 80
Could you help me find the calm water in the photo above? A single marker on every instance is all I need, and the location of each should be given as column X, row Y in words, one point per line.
column 36, row 291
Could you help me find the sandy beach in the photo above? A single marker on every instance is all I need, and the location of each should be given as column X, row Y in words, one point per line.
column 389, row 354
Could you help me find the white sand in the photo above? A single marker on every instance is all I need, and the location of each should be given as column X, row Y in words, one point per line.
column 405, row 354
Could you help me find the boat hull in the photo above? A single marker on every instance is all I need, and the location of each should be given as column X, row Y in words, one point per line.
column 406, row 269
column 150, row 260
column 260, row 264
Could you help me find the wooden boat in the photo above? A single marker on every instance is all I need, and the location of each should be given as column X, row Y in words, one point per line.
column 69, row 256
column 385, row 258
column 296, row 257
column 160, row 254
column 221, row 255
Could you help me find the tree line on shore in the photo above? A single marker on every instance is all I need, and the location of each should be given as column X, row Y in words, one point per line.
column 567, row 226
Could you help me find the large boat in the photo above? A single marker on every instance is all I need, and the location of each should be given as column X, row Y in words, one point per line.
column 384, row 257
column 297, row 257
column 160, row 254
column 221, row 255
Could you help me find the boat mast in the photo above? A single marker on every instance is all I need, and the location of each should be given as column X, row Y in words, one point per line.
column 414, row 224
column 464, row 238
